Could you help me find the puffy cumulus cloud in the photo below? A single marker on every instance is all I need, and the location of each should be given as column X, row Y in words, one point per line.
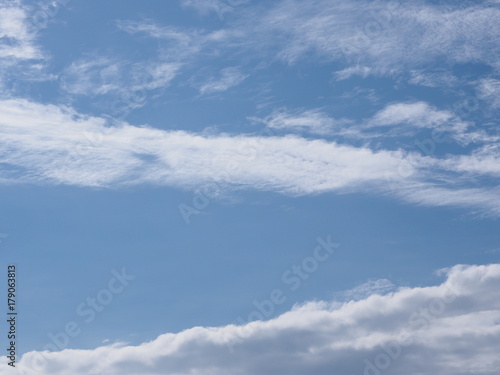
column 449, row 329
column 56, row 145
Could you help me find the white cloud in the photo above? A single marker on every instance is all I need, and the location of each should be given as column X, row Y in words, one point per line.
column 180, row 48
column 101, row 76
column 489, row 89
column 362, row 291
column 429, row 194
column 41, row 138
column 180, row 44
column 155, row 31
column 436, row 79
column 362, row 71
column 449, row 329
column 21, row 58
column 49, row 144
column 372, row 37
column 378, row 37
column 228, row 77
column 368, row 38
column 419, row 115
column 17, row 40
column 220, row 7
column 394, row 120
column 314, row 121
column 483, row 162
column 95, row 76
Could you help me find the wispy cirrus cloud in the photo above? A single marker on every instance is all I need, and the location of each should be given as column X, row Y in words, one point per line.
column 484, row 161
column 434, row 79
column 489, row 90
column 362, row 291
column 362, row 71
column 418, row 115
column 409, row 118
column 21, row 57
column 363, row 39
column 50, row 144
column 125, row 80
column 102, row 75
column 219, row 7
column 384, row 36
column 454, row 326
column 428, row 194
column 181, row 43
column 372, row 38
column 394, row 120
column 17, row 40
column 146, row 155
column 367, row 38
column 313, row 121
column 227, row 78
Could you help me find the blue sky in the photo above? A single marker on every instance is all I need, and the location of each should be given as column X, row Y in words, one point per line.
column 208, row 148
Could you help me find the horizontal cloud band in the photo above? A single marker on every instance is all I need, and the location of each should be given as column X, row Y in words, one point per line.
column 51, row 144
